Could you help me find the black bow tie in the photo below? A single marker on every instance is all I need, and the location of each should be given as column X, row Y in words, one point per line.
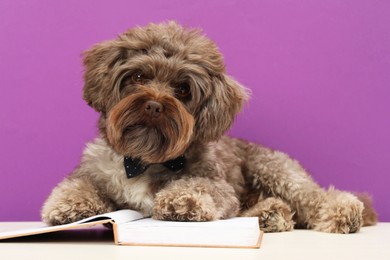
column 134, row 167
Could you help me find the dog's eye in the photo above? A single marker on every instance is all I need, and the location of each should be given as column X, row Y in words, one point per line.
column 183, row 91
column 138, row 77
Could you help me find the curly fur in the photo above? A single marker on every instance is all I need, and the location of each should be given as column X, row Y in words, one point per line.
column 183, row 72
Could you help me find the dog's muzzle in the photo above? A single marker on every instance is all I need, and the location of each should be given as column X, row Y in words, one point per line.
column 154, row 128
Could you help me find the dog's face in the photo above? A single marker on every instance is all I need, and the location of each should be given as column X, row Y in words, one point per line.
column 158, row 89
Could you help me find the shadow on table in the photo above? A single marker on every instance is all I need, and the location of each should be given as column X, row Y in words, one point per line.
column 96, row 234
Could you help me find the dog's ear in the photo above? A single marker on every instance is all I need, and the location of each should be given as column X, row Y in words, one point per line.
column 220, row 108
column 99, row 61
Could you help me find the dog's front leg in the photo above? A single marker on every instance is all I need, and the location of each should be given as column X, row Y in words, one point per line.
column 75, row 198
column 195, row 199
column 330, row 211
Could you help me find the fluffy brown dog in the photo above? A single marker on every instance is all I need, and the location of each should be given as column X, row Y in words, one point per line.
column 165, row 102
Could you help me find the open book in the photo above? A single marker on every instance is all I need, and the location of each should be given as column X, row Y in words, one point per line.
column 131, row 228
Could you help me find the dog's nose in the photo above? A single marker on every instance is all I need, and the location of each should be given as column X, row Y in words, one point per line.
column 153, row 108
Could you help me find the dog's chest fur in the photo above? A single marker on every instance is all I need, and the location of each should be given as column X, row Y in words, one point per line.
column 105, row 168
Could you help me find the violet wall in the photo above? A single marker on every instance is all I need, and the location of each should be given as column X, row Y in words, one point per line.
column 319, row 73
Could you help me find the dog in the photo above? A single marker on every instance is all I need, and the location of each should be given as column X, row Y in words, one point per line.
column 165, row 102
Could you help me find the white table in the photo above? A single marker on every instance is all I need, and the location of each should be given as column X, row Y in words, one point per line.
column 371, row 243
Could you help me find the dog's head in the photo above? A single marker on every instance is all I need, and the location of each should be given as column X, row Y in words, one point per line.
column 159, row 88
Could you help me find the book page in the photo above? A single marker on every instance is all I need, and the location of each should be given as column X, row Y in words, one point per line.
column 120, row 216
column 235, row 232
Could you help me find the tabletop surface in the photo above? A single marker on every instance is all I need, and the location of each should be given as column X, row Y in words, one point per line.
column 97, row 243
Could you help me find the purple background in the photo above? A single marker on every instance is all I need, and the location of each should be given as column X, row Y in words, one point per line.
column 319, row 73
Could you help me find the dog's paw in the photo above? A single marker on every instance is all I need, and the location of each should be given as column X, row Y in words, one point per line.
column 276, row 220
column 274, row 215
column 341, row 213
column 70, row 211
column 71, row 201
column 184, row 206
